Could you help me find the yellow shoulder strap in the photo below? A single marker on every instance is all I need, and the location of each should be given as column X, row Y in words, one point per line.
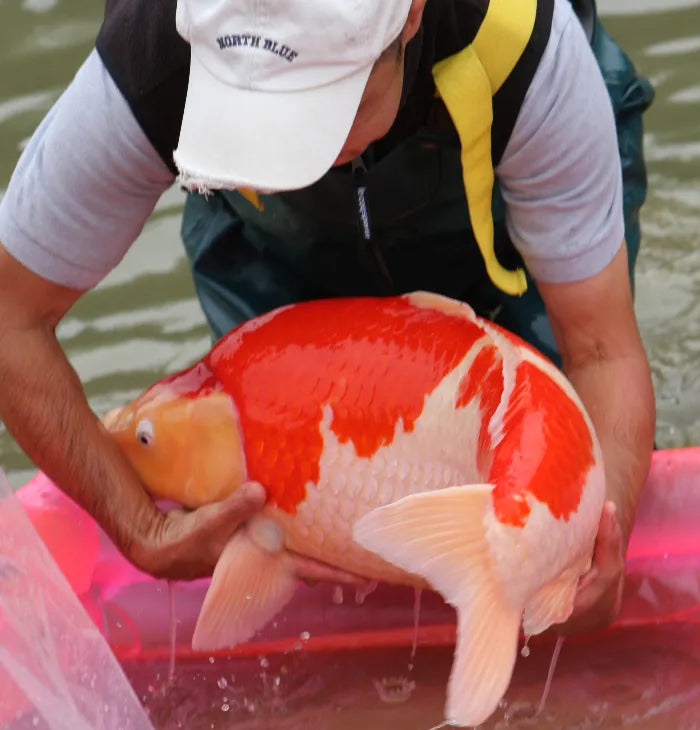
column 467, row 82
column 252, row 197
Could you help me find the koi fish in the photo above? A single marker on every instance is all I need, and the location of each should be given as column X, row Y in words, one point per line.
column 403, row 439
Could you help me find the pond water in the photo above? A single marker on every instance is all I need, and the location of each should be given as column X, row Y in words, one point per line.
column 144, row 321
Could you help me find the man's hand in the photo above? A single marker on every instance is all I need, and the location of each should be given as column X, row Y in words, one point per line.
column 599, row 593
column 43, row 405
column 186, row 544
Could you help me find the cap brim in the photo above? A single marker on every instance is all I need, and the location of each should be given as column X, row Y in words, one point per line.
column 232, row 137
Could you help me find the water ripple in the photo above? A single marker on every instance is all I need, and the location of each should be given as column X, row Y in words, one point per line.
column 686, row 96
column 37, row 101
column 58, row 36
column 39, row 6
column 677, row 46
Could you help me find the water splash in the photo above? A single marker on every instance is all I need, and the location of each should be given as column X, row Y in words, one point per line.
column 525, row 651
column 416, row 623
column 550, row 673
column 362, row 592
column 173, row 631
column 394, row 690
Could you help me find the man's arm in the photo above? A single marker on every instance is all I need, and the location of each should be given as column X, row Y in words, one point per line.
column 83, row 188
column 87, row 175
column 602, row 353
column 43, row 406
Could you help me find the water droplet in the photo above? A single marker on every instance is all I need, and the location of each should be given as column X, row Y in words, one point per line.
column 211, row 660
column 525, row 651
column 338, row 595
column 362, row 593
column 264, row 662
column 223, row 683
column 394, row 690
column 304, row 635
column 225, row 707
column 248, row 596
column 249, row 705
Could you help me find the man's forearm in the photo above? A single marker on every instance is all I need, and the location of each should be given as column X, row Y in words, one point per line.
column 43, row 406
column 619, row 397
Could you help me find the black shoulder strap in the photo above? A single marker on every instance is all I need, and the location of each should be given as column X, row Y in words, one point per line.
column 509, row 98
column 587, row 14
column 150, row 63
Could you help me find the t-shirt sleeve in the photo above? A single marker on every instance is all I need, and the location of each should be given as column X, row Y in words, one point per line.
column 84, row 185
column 560, row 173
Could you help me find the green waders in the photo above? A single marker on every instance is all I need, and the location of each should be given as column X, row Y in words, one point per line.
column 312, row 243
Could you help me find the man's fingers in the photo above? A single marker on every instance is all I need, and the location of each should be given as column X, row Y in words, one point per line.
column 609, row 539
column 217, row 522
column 607, row 552
column 190, row 542
column 599, row 593
column 586, row 580
column 240, row 506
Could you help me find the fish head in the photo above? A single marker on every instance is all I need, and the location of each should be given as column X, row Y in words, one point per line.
column 184, row 447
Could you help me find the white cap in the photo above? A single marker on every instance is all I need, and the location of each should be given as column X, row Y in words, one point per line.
column 275, row 85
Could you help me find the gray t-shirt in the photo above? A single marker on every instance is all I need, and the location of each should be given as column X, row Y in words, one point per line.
column 89, row 178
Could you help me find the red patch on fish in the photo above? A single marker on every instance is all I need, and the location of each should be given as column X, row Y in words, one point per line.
column 485, row 380
column 377, row 369
column 548, row 458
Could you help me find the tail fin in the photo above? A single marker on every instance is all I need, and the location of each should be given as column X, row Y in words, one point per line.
column 441, row 536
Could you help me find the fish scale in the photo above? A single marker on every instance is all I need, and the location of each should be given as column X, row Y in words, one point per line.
column 322, row 524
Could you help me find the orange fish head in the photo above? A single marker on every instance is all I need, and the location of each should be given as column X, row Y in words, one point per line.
column 184, row 447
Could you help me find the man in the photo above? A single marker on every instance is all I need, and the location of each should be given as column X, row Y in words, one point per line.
column 371, row 121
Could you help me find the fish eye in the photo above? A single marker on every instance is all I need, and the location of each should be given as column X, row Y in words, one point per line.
column 144, row 432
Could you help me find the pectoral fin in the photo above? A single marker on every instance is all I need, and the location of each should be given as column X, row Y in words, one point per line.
column 552, row 604
column 252, row 581
column 441, row 536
